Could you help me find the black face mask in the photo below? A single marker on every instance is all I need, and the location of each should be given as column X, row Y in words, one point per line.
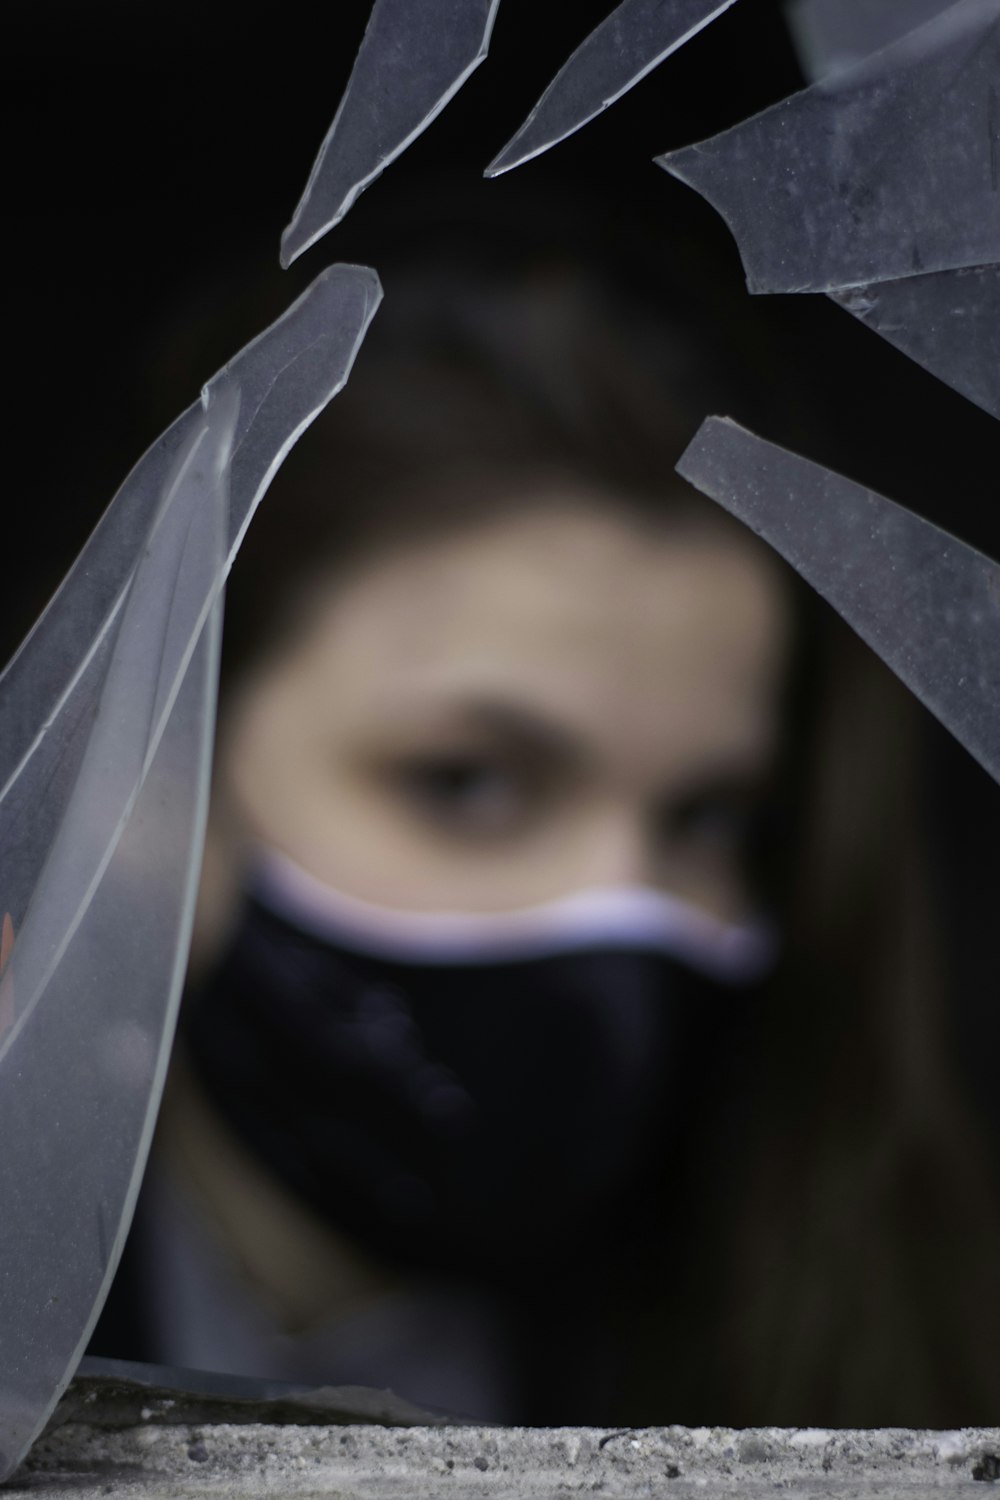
column 462, row 1116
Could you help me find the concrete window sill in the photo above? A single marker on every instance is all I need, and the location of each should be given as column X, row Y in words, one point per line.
column 464, row 1463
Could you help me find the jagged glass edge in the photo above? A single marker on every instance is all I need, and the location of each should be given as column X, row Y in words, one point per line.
column 898, row 573
column 325, row 200
column 587, row 69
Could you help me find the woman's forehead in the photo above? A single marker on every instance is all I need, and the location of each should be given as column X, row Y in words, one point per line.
column 577, row 619
column 548, row 554
column 552, row 581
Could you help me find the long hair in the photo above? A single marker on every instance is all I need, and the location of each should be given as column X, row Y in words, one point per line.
column 839, row 1262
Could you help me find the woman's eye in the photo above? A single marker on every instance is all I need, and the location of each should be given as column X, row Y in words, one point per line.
column 724, row 819
column 466, row 793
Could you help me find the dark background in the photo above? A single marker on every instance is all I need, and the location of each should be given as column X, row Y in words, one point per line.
column 146, row 148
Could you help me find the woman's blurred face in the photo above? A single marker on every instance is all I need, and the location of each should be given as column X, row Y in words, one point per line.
column 546, row 702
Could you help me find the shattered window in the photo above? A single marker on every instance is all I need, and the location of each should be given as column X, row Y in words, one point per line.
column 589, row 1003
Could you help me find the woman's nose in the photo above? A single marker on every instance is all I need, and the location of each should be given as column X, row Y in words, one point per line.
column 620, row 850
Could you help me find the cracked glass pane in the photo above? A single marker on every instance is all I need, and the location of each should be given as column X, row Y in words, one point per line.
column 107, row 751
column 413, row 59
column 634, row 39
column 887, row 171
column 831, row 35
column 928, row 604
column 948, row 322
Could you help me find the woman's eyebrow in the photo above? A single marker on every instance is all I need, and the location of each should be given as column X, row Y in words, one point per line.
column 524, row 729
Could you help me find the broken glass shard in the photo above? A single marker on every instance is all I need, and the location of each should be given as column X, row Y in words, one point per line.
column 636, row 37
column 948, row 322
column 80, row 1081
column 412, row 61
column 107, row 753
column 49, row 878
column 50, row 693
column 928, row 604
column 285, row 377
column 889, row 170
column 831, row 35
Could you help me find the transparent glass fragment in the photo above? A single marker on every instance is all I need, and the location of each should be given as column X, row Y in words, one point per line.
column 105, row 741
column 831, row 35
column 928, row 604
column 95, row 755
column 889, row 170
column 81, row 1080
column 412, row 61
column 285, row 377
column 948, row 322
column 631, row 42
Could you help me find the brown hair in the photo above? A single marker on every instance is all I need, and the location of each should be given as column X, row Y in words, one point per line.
column 840, row 1266
column 475, row 384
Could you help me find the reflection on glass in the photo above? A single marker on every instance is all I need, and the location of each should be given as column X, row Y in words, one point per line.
column 831, row 35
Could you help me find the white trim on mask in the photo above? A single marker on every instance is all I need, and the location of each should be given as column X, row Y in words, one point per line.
column 629, row 917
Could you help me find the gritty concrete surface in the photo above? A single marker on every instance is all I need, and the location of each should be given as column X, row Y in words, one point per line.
column 473, row 1463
